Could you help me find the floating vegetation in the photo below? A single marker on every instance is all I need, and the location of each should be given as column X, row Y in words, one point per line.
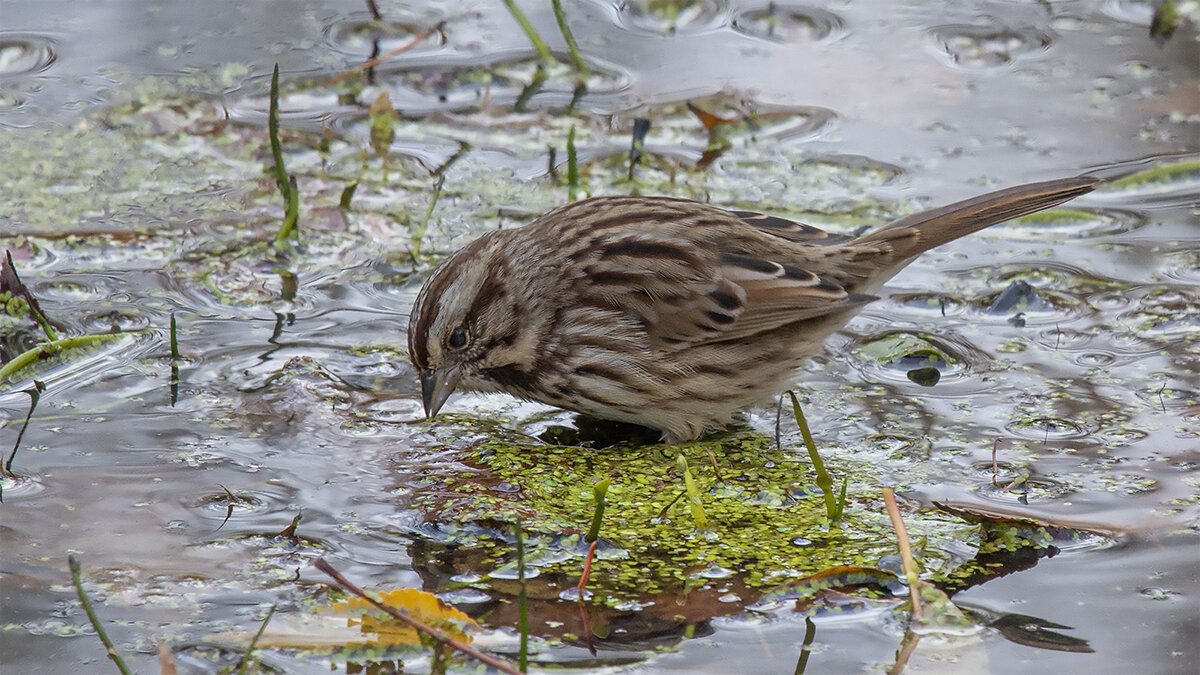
column 1182, row 177
column 165, row 214
column 675, row 517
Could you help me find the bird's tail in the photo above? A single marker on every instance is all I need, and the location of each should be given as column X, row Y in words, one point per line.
column 912, row 235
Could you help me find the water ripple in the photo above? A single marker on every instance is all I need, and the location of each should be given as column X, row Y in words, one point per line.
column 1075, row 223
column 25, row 53
column 358, row 36
column 981, row 47
column 789, row 23
column 659, row 18
column 912, row 356
column 1174, row 182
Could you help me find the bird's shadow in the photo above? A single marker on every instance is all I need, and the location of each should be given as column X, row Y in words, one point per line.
column 598, row 433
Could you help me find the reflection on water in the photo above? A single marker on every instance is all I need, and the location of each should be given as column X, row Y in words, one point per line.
column 134, row 190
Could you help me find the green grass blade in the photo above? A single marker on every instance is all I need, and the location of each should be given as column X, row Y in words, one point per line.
column 823, row 480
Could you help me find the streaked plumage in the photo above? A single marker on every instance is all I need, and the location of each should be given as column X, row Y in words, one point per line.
column 665, row 312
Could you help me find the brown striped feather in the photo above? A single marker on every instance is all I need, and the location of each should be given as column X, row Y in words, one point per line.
column 667, row 312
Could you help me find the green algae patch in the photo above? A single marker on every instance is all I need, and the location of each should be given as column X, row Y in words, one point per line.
column 764, row 528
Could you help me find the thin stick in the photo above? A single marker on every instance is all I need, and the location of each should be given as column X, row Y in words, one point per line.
column 13, row 279
column 166, row 659
column 432, row 632
column 906, row 556
column 245, row 662
column 522, row 601
column 91, row 615
column 995, row 465
column 712, row 457
column 416, row 237
column 175, row 358
column 416, row 40
column 229, row 504
column 907, row 646
column 35, row 394
column 586, row 618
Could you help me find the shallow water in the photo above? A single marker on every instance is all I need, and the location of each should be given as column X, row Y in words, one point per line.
column 134, row 188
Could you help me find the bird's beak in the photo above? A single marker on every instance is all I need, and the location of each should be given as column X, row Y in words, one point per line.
column 436, row 387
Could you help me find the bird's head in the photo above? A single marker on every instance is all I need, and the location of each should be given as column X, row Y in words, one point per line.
column 466, row 326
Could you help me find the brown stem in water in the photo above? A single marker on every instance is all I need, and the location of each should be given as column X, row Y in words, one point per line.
column 432, row 632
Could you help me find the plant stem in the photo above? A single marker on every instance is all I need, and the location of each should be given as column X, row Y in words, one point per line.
column 572, row 167
column 906, row 556
column 582, row 72
column 419, row 234
column 522, row 601
column 245, row 662
column 91, row 615
column 534, row 39
column 823, row 480
column 695, row 502
column 35, row 395
column 48, row 349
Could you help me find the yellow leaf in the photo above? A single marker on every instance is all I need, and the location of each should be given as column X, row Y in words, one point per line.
column 422, row 606
column 357, row 624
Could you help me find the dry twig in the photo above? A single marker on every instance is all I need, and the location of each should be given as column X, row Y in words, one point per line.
column 407, row 618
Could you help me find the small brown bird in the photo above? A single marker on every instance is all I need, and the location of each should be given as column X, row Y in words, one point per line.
column 666, row 312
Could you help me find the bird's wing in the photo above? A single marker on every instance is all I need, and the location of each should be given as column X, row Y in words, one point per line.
column 789, row 229
column 688, row 295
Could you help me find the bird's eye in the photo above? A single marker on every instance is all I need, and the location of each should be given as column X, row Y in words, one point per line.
column 458, row 338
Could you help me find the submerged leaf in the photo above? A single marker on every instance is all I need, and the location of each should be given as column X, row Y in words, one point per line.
column 355, row 624
column 423, row 606
column 383, row 124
